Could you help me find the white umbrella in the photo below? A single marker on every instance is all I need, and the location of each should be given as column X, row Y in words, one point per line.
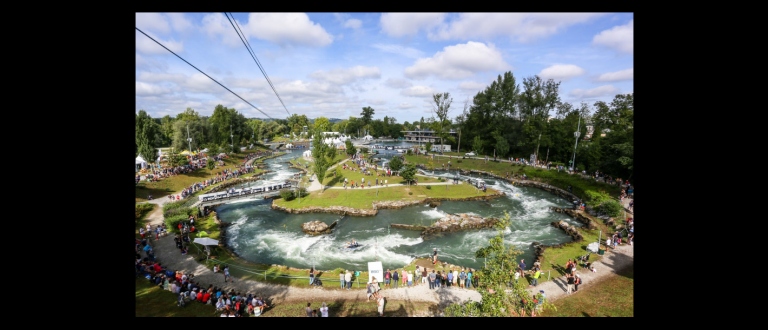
column 206, row 241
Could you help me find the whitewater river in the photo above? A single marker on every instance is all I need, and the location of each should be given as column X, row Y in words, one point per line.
column 259, row 234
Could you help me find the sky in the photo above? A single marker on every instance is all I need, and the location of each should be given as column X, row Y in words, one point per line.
column 334, row 64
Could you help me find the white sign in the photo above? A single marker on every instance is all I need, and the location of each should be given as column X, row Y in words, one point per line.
column 375, row 270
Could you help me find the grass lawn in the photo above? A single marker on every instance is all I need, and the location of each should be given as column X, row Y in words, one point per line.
column 360, row 198
column 613, row 296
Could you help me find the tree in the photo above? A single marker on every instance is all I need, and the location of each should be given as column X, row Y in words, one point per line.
column 499, row 261
column 442, row 105
column 408, row 173
column 396, row 163
column 477, row 144
column 366, row 116
column 323, row 155
column 323, row 124
column 351, row 150
column 428, row 146
column 502, row 147
column 146, row 129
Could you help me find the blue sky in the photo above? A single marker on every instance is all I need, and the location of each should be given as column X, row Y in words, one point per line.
column 334, row 64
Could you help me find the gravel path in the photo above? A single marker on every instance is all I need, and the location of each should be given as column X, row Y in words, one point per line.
column 169, row 256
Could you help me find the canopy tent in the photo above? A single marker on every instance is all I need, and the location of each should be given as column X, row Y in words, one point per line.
column 204, row 150
column 289, row 145
column 186, row 153
column 206, row 241
column 222, row 155
column 140, row 163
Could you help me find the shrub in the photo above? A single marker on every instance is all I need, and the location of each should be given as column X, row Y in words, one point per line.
column 172, row 205
column 286, row 194
column 143, row 209
column 185, row 211
column 411, row 192
column 429, row 187
column 458, row 160
column 173, row 222
column 610, row 207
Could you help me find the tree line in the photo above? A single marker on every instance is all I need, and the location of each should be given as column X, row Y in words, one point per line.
column 503, row 120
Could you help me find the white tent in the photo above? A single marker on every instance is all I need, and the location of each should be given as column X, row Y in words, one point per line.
column 140, row 163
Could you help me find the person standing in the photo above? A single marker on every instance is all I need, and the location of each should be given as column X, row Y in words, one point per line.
column 535, row 278
column 576, row 282
column 311, row 275
column 570, row 281
column 387, row 278
column 438, row 280
column 348, row 279
column 521, row 267
column 226, row 274
column 432, row 277
column 308, row 310
column 455, row 276
column 409, row 277
column 462, row 279
column 395, row 278
column 403, row 277
column 380, row 303
column 342, row 281
column 469, row 279
column 324, row 310
column 424, row 276
column 434, row 256
column 417, row 275
column 449, row 278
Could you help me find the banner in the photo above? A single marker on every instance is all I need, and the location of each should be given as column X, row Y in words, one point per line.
column 375, row 270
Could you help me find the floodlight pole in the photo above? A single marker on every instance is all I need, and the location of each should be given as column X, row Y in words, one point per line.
column 576, row 135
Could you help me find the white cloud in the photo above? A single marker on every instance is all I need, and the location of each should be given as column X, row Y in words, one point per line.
column 399, row 50
column 152, row 22
column 561, row 72
column 397, row 83
column 459, row 61
column 346, row 76
column 287, row 29
column 179, row 22
column 402, row 24
column 218, row 27
column 145, row 89
column 418, row 91
column 147, row 46
column 605, row 90
column 405, row 105
column 472, row 86
column 353, row 23
column 521, row 26
column 627, row 74
column 620, row 38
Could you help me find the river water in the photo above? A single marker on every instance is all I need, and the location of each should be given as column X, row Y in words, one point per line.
column 261, row 235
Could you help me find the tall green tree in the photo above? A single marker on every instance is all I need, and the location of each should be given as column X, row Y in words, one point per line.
column 477, row 145
column 502, row 147
column 366, row 116
column 441, row 108
column 351, row 150
column 322, row 123
column 396, row 163
column 497, row 299
column 146, row 129
column 408, row 173
column 323, row 155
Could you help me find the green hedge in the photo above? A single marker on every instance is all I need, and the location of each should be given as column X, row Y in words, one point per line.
column 142, row 210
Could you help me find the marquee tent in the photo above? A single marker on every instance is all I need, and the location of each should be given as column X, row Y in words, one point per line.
column 140, row 163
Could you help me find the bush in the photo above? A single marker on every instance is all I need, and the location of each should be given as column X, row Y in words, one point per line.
column 185, row 211
column 143, row 209
column 172, row 205
column 286, row 194
column 173, row 222
column 429, row 187
column 411, row 192
column 610, row 207
column 458, row 160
